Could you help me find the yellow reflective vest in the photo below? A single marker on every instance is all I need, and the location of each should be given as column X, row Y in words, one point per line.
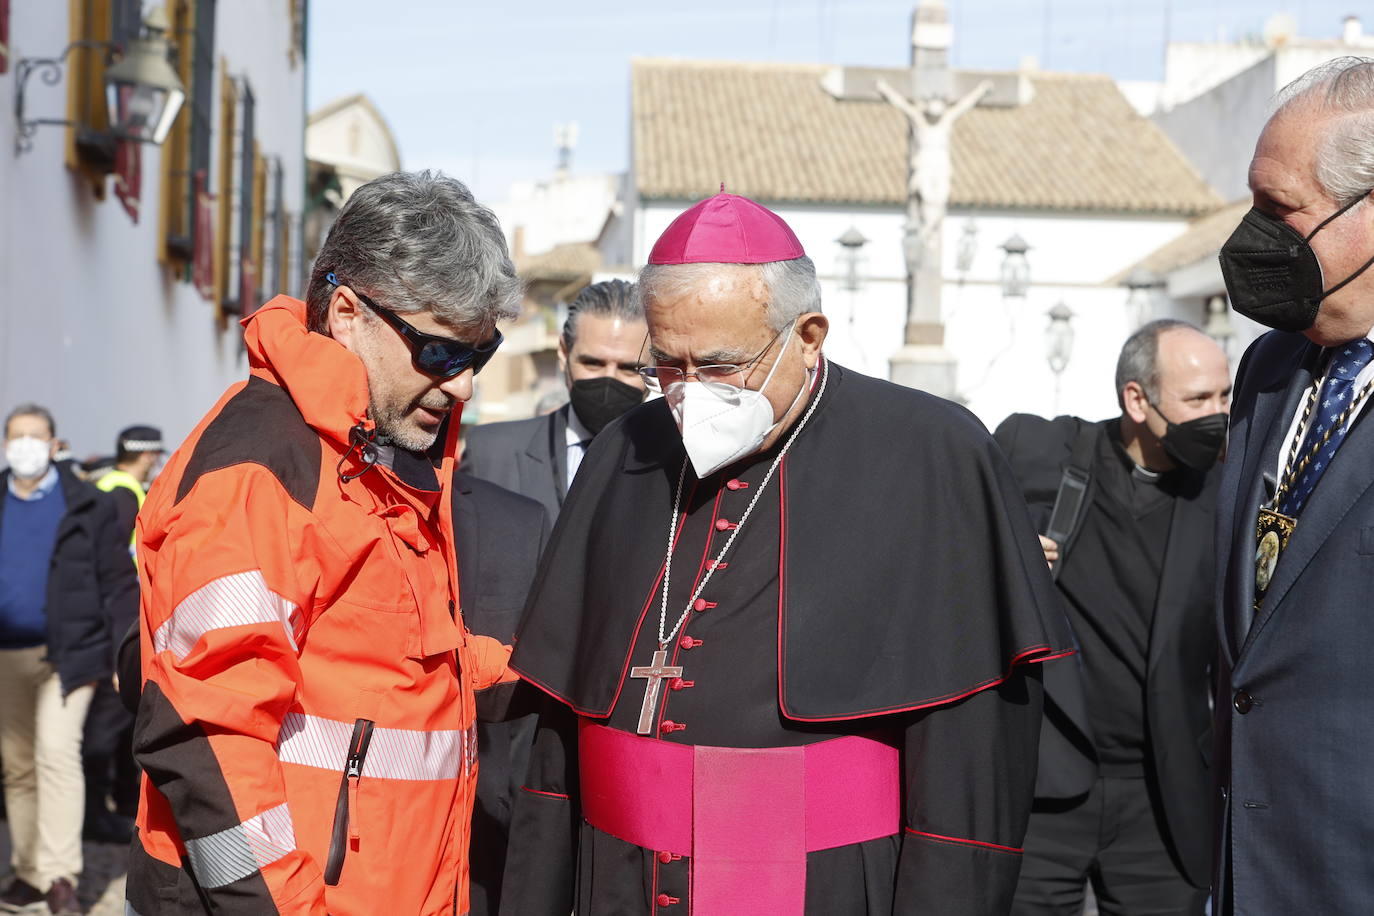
column 118, row 478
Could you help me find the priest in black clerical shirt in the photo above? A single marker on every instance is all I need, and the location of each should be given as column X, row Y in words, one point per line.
column 786, row 625
column 1123, row 797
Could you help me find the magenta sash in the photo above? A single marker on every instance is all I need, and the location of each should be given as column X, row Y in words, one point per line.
column 746, row 816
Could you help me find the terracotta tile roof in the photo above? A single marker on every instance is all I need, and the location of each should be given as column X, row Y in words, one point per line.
column 1202, row 239
column 772, row 132
column 562, row 262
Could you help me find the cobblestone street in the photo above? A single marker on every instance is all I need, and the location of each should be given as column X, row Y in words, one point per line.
column 101, row 885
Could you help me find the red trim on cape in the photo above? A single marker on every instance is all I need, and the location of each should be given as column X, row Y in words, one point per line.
column 1014, row 850
column 1020, row 658
column 701, row 567
column 782, row 579
column 634, row 634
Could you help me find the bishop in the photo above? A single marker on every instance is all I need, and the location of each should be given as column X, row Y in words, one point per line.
column 837, row 583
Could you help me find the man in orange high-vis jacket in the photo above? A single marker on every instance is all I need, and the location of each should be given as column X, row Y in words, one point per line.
column 308, row 714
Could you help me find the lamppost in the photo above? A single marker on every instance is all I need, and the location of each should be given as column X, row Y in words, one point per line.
column 1059, row 344
column 1218, row 323
column 1015, row 268
column 142, row 90
column 967, row 248
column 1141, row 284
column 849, row 267
column 851, row 259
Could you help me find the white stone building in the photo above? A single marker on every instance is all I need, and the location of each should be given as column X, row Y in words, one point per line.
column 1214, row 100
column 120, row 291
column 347, row 144
column 1089, row 184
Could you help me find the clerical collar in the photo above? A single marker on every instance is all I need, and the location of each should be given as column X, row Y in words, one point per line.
column 1137, row 472
column 1145, row 474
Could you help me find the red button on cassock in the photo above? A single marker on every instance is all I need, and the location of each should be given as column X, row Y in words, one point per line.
column 665, row 900
column 736, row 484
column 668, row 726
column 688, row 642
column 678, row 683
column 701, row 604
column 723, row 524
column 665, row 857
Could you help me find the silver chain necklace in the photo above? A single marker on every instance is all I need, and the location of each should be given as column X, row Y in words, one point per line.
column 739, row 526
column 658, row 669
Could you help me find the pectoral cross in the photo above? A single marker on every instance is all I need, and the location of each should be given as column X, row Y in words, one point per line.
column 654, row 675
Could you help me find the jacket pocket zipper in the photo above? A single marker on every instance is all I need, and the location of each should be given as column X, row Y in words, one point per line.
column 344, row 819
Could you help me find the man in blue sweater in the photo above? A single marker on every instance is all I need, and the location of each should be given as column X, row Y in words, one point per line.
column 66, row 580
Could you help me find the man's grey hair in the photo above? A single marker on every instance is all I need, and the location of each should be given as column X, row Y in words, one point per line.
column 417, row 241
column 31, row 410
column 609, row 299
column 792, row 286
column 1139, row 359
column 1343, row 88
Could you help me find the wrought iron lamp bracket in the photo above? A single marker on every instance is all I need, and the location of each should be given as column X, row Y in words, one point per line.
column 49, row 70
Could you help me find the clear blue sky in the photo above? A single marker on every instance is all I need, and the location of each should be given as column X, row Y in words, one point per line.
column 475, row 86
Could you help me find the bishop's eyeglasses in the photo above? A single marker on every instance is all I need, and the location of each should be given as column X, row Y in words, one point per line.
column 658, row 378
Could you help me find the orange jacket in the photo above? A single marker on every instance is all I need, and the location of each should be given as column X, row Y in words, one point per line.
column 306, row 727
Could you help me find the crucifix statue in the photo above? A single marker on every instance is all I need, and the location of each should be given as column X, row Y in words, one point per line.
column 932, row 97
column 928, row 169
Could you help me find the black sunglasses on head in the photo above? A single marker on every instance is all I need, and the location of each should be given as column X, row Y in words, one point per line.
column 441, row 356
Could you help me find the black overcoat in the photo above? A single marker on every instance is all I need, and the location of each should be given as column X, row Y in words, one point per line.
column 92, row 583
column 907, row 590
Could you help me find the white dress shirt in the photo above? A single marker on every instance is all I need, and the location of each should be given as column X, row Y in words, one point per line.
column 576, row 436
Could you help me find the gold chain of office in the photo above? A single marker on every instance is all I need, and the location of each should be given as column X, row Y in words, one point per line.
column 1296, row 467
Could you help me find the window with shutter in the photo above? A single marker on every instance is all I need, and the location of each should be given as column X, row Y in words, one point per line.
column 176, row 209
column 226, row 200
column 4, row 36
column 248, row 209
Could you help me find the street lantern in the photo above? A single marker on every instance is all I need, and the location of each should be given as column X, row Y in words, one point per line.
column 1141, row 284
column 1059, row 344
column 1015, row 268
column 850, row 263
column 1059, row 337
column 1218, row 322
column 968, row 247
column 143, row 92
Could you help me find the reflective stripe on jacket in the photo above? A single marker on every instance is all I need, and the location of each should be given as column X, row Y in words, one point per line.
column 308, row 707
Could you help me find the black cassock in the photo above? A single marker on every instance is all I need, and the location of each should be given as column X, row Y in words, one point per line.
column 888, row 583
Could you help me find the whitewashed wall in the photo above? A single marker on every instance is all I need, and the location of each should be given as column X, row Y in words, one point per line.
column 999, row 343
column 90, row 324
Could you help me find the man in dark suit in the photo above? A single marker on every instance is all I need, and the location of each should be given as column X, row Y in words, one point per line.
column 599, row 356
column 499, row 535
column 1123, row 789
column 1295, row 519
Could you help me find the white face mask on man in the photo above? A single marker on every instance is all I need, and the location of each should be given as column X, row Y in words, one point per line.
column 28, row 456
column 722, row 423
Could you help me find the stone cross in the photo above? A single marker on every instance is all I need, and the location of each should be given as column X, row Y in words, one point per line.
column 932, row 97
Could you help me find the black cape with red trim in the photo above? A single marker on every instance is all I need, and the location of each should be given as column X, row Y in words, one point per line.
column 911, row 573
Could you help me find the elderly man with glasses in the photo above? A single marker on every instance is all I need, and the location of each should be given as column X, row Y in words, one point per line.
column 307, row 719
column 784, row 623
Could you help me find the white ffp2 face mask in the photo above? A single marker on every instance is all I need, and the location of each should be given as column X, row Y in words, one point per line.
column 28, row 457
column 720, row 423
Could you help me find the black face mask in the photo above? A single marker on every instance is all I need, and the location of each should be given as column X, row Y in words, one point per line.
column 598, row 401
column 1272, row 274
column 1196, row 444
